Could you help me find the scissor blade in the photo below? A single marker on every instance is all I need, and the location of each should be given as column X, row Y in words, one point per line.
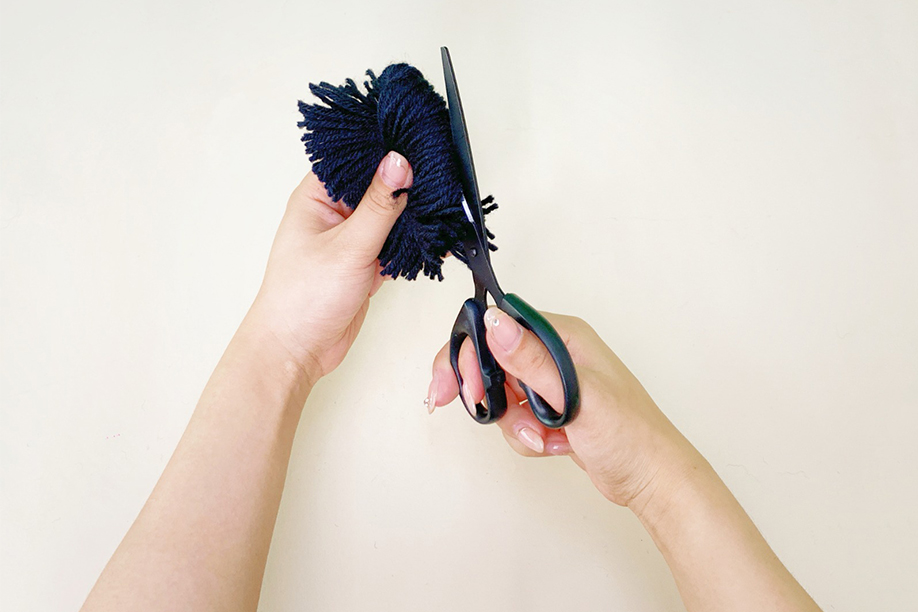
column 472, row 202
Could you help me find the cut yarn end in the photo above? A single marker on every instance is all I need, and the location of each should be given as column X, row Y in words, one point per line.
column 347, row 134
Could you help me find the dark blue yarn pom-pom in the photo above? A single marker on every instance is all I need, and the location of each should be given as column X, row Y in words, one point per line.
column 349, row 132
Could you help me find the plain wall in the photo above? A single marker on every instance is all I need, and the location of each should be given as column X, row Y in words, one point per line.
column 727, row 192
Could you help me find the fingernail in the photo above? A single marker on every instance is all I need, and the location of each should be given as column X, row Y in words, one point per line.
column 394, row 170
column 430, row 402
column 531, row 439
column 507, row 332
column 557, row 448
column 467, row 395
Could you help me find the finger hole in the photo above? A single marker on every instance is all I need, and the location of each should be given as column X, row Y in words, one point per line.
column 473, row 390
column 444, row 386
column 514, row 389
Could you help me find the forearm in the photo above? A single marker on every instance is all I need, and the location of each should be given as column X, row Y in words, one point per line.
column 202, row 539
column 718, row 557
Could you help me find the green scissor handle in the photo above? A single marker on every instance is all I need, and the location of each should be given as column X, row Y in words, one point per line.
column 470, row 325
column 531, row 319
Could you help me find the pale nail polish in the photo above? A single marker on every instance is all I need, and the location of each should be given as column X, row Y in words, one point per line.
column 394, row 170
column 430, row 402
column 531, row 439
column 506, row 332
column 557, row 448
column 467, row 396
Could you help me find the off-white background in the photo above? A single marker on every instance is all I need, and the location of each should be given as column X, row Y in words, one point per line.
column 726, row 191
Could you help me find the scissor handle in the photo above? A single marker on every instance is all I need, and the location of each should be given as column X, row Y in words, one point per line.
column 532, row 319
column 470, row 324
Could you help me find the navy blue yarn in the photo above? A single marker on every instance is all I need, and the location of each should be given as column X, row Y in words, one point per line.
column 349, row 132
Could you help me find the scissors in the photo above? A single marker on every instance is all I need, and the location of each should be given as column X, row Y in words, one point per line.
column 470, row 322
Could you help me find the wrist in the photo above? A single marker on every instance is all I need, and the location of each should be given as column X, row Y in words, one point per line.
column 682, row 470
column 266, row 325
column 287, row 375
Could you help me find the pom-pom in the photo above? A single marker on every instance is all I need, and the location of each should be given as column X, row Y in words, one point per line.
column 349, row 132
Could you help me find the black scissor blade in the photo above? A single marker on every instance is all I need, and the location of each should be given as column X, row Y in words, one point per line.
column 463, row 148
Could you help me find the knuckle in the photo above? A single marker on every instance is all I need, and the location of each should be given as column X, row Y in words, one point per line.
column 573, row 323
column 314, row 189
column 582, row 328
column 380, row 199
column 310, row 188
column 572, row 328
column 536, row 356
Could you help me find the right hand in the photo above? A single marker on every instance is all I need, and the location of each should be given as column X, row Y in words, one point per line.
column 620, row 438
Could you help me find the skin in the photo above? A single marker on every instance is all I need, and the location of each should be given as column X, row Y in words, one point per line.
column 636, row 458
column 202, row 538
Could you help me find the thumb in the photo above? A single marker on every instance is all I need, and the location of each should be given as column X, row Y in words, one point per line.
column 366, row 229
column 523, row 356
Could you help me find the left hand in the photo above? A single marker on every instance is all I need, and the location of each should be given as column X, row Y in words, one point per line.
column 324, row 267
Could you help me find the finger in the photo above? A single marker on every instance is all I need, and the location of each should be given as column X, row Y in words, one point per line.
column 311, row 188
column 472, row 386
column 444, row 387
column 556, row 443
column 354, row 327
column 519, row 424
column 378, row 280
column 515, row 389
column 365, row 231
column 514, row 443
column 553, row 447
column 523, row 355
column 311, row 206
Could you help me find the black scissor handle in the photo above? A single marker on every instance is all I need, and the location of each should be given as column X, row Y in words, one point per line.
column 470, row 324
column 532, row 319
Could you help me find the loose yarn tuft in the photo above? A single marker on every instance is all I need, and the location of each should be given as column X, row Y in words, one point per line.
column 349, row 132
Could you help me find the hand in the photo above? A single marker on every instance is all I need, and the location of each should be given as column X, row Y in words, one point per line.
column 620, row 438
column 323, row 267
